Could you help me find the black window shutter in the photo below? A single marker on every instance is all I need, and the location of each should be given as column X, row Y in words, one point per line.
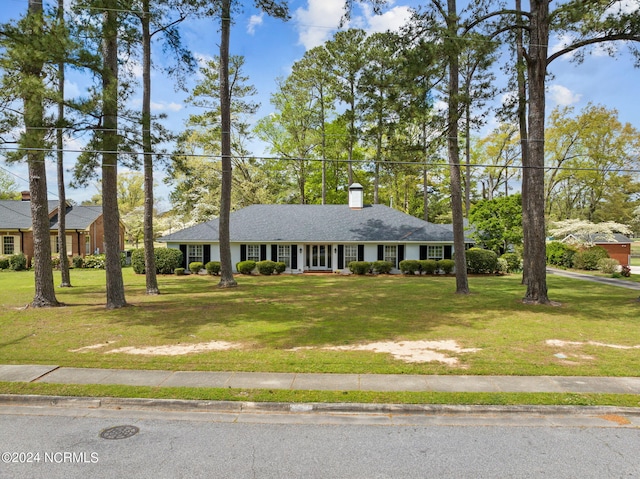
column 263, row 252
column 243, row 252
column 360, row 252
column 294, row 256
column 340, row 256
column 183, row 248
column 274, row 252
column 447, row 251
column 380, row 252
column 206, row 252
column 400, row 253
column 423, row 251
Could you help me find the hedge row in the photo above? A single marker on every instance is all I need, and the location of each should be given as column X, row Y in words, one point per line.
column 569, row 256
column 426, row 266
column 167, row 260
column 266, row 267
column 367, row 267
column 15, row 262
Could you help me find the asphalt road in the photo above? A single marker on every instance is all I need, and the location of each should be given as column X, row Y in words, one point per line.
column 66, row 442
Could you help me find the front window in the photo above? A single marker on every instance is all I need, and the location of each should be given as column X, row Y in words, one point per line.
column 194, row 253
column 284, row 254
column 253, row 252
column 8, row 245
column 350, row 253
column 435, row 252
column 391, row 254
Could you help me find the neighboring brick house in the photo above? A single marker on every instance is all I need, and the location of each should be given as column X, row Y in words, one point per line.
column 84, row 228
column 318, row 237
column 618, row 247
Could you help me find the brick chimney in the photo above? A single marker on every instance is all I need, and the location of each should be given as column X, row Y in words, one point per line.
column 356, row 196
column 26, row 196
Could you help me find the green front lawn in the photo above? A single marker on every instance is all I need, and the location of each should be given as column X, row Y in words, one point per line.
column 282, row 323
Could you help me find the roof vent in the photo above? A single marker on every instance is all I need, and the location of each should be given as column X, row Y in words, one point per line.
column 356, row 196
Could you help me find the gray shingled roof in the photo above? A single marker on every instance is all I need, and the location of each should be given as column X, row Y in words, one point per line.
column 17, row 215
column 317, row 223
column 78, row 217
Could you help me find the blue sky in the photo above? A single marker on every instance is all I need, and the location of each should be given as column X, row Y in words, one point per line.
column 270, row 46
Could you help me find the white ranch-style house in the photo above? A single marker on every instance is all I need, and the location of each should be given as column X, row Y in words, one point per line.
column 311, row 238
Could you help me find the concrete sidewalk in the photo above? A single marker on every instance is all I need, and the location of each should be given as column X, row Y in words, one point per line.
column 320, row 382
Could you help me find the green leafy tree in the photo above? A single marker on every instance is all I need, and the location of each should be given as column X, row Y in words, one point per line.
column 497, row 223
column 8, row 187
column 591, row 155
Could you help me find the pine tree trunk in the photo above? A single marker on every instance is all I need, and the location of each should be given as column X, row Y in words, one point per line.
column 62, row 199
column 32, row 95
column 111, row 215
column 149, row 253
column 533, row 171
column 522, row 116
column 226, row 271
column 462, row 285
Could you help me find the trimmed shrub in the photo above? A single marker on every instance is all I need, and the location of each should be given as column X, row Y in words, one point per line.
column 588, row 258
column 560, row 254
column 94, row 261
column 266, row 267
column 281, row 267
column 4, row 262
column 428, row 266
column 246, row 267
column 359, row 267
column 137, row 261
column 196, row 266
column 213, row 268
column 446, row 265
column 18, row 262
column 502, row 266
column 77, row 261
column 514, row 262
column 409, row 266
column 167, row 260
column 608, row 265
column 481, row 261
column 179, row 271
column 382, row 267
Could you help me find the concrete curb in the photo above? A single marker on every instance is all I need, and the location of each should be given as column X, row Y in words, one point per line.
column 183, row 405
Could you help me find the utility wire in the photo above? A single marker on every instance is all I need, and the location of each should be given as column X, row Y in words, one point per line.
column 422, row 163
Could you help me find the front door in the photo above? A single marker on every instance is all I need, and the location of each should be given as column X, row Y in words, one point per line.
column 319, row 256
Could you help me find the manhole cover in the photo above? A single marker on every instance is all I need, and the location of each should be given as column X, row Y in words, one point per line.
column 119, row 432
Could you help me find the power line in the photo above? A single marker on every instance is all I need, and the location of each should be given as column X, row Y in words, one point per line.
column 417, row 163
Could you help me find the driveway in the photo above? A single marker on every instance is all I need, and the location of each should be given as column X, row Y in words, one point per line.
column 598, row 279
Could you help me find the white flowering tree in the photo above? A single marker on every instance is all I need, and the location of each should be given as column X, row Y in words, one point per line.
column 587, row 233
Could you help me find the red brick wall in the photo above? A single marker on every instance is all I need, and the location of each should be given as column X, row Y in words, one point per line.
column 619, row 251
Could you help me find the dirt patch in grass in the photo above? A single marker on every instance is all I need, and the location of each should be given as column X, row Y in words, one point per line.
column 407, row 351
column 168, row 349
column 411, row 351
column 561, row 344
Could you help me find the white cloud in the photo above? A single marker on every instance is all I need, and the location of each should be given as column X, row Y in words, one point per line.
column 254, row 21
column 561, row 42
column 317, row 22
column 162, row 106
column 321, row 18
column 71, row 90
column 561, row 95
column 393, row 19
